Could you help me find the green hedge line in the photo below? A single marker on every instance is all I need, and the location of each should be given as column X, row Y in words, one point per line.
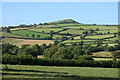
column 29, row 60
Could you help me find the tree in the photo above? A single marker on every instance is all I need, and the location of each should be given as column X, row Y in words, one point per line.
column 110, row 49
column 62, row 53
column 38, row 36
column 116, row 53
column 115, row 34
column 51, row 33
column 56, row 42
column 8, row 48
column 33, row 35
column 43, row 32
column 61, row 44
column 38, row 49
column 50, row 52
column 77, row 51
column 81, row 43
column 73, row 43
column 28, row 51
column 97, row 29
column 27, row 35
column 88, row 52
column 108, row 32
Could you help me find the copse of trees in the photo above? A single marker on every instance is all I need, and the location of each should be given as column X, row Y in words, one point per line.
column 24, row 50
column 57, row 55
column 5, row 29
column 58, row 50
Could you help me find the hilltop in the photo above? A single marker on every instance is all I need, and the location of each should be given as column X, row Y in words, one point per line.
column 64, row 21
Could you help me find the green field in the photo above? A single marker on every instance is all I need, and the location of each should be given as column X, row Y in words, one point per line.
column 86, row 41
column 25, row 32
column 5, row 34
column 46, row 30
column 100, row 36
column 73, row 31
column 27, row 71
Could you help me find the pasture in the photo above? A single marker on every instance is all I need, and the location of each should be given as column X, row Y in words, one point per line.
column 30, row 33
column 46, row 30
column 30, row 71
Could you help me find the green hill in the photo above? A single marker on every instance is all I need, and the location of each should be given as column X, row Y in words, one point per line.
column 64, row 21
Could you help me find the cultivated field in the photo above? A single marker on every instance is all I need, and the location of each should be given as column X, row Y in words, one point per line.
column 26, row 41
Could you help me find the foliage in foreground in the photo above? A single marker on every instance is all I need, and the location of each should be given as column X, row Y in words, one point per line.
column 30, row 60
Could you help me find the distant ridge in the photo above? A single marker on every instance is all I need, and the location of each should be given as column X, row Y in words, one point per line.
column 64, row 21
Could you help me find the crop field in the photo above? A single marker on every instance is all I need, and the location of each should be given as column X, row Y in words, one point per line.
column 26, row 41
column 18, row 29
column 27, row 71
column 102, row 54
column 30, row 33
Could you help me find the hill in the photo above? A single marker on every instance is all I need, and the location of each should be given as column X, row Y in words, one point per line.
column 64, row 21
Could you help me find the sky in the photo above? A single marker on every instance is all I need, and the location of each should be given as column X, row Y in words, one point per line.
column 16, row 13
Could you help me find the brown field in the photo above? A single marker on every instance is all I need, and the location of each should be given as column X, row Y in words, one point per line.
column 26, row 41
column 19, row 29
column 102, row 54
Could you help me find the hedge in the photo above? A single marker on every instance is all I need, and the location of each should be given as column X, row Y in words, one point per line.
column 29, row 60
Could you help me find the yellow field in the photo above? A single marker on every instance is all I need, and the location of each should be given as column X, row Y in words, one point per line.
column 26, row 41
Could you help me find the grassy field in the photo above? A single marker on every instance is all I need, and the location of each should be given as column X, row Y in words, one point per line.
column 4, row 34
column 104, row 59
column 46, row 30
column 100, row 36
column 69, row 41
column 45, row 26
column 27, row 71
column 73, row 31
column 25, row 32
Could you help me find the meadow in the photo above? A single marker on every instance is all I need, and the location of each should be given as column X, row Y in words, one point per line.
column 30, row 33
column 29, row 71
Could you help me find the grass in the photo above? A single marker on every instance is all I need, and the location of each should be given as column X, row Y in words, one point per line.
column 10, row 40
column 100, row 36
column 46, row 26
column 73, row 31
column 46, row 30
column 25, row 32
column 5, row 34
column 99, row 59
column 69, row 41
column 33, row 71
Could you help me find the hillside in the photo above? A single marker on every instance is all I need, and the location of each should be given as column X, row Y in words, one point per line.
column 64, row 31
column 64, row 21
